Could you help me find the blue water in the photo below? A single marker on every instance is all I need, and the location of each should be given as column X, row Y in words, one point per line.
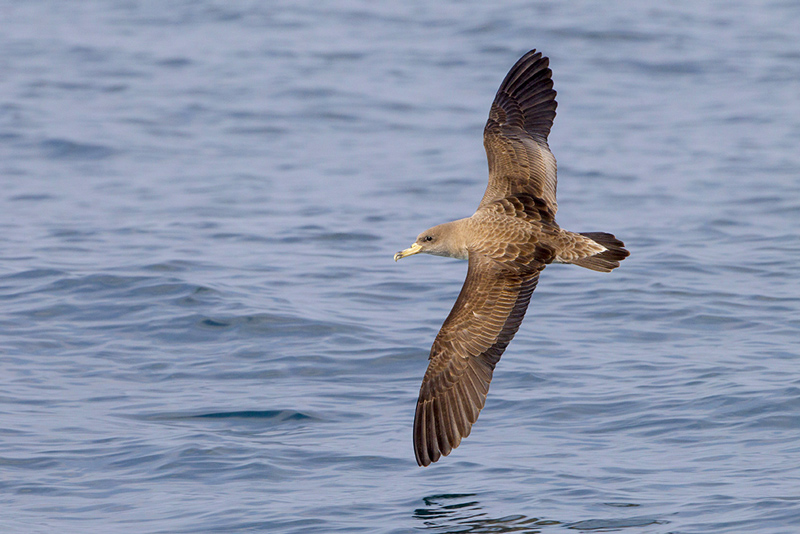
column 202, row 328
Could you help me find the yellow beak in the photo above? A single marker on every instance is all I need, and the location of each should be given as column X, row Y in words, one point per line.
column 413, row 249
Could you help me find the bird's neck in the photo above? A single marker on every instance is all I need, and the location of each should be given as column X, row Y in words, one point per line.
column 457, row 245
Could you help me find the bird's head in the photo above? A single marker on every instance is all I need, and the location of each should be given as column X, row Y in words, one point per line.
column 441, row 240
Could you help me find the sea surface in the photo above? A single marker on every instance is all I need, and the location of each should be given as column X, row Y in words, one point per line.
column 202, row 328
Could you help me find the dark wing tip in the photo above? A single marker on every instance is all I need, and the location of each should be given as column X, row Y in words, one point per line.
column 445, row 417
column 526, row 98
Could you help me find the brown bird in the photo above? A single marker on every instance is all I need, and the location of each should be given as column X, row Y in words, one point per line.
column 508, row 241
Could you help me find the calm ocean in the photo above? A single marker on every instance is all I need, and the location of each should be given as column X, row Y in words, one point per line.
column 202, row 328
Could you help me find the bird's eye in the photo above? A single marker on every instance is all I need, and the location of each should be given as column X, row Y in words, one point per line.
column 428, row 238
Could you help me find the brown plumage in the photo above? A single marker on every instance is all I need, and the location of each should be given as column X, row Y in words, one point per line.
column 508, row 241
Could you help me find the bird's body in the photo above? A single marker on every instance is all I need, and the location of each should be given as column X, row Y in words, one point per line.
column 511, row 237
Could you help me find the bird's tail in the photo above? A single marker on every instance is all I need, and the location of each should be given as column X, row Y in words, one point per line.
column 608, row 259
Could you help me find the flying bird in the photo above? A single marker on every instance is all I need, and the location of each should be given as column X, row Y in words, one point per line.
column 508, row 241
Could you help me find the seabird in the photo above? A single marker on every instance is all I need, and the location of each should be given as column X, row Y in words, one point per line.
column 511, row 237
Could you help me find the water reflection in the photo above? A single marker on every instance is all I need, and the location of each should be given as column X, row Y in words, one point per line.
column 463, row 513
column 459, row 513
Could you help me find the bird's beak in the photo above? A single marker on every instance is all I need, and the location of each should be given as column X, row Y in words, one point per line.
column 415, row 248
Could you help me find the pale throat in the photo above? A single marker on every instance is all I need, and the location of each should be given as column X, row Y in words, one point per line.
column 457, row 245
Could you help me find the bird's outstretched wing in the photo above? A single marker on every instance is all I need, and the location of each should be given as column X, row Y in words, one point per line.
column 515, row 136
column 483, row 321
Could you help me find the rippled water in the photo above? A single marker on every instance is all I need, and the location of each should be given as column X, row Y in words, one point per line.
column 202, row 328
